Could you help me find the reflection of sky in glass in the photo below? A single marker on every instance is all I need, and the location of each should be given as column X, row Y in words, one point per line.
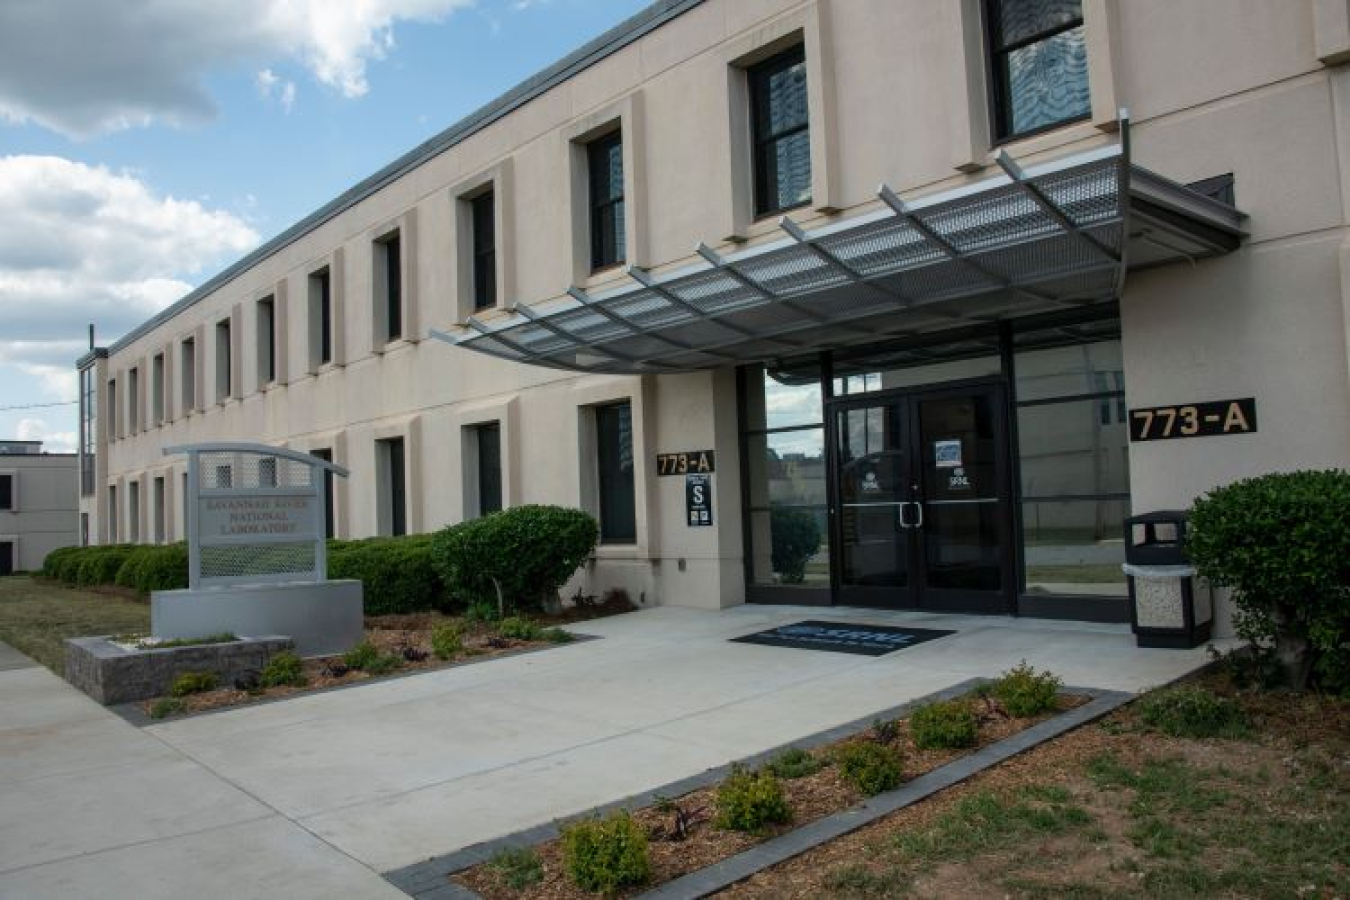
column 787, row 405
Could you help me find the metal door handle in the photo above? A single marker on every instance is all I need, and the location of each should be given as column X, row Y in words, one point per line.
column 919, row 507
column 900, row 515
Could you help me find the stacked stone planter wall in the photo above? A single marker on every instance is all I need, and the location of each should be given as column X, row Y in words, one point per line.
column 111, row 674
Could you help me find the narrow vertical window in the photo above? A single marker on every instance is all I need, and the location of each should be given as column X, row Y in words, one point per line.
column 605, row 165
column 157, row 389
column 6, row 492
column 781, row 132
column 112, row 514
column 489, row 437
column 133, row 401
column 394, row 515
column 112, row 409
column 157, row 505
column 614, row 460
column 483, row 211
column 224, row 364
column 320, row 318
column 88, row 432
column 134, row 511
column 1038, row 60
column 389, row 285
column 187, row 377
column 267, row 341
column 326, row 455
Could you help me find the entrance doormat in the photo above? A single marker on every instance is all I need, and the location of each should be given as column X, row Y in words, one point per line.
column 843, row 637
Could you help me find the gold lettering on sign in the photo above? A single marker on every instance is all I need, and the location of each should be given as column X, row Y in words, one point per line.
column 1235, row 418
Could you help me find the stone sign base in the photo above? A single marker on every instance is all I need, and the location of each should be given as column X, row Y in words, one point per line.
column 111, row 674
column 322, row 617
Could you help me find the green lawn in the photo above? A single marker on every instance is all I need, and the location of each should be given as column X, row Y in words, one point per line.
column 36, row 617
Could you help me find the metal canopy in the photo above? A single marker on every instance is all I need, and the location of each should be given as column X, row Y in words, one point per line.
column 1052, row 237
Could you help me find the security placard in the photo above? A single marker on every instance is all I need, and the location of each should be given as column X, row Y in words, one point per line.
column 698, row 500
column 1214, row 417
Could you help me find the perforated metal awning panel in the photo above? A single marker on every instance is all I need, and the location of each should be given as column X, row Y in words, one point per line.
column 1047, row 238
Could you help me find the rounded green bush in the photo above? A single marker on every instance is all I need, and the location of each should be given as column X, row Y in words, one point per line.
column 870, row 767
column 604, row 855
column 529, row 551
column 1025, row 692
column 447, row 639
column 949, row 725
column 396, row 574
column 1282, row 543
column 193, row 683
column 66, row 568
column 519, row 628
column 748, row 801
column 795, row 538
column 283, row 670
column 1192, row 712
column 52, row 562
column 162, row 568
column 100, row 565
column 795, row 762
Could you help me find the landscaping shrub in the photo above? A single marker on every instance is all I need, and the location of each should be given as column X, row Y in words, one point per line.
column 950, row 725
column 193, row 683
column 527, row 551
column 870, row 767
column 66, row 567
column 283, row 670
column 396, row 574
column 154, row 568
column 519, row 628
column 51, row 563
column 1192, row 712
column 1025, row 692
column 795, row 538
column 367, row 657
column 517, row 867
column 748, row 801
column 604, row 855
column 447, row 639
column 1281, row 542
column 795, row 762
column 557, row 636
column 99, row 565
column 167, row 706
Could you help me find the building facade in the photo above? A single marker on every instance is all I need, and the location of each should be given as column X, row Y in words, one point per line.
column 878, row 302
column 39, row 509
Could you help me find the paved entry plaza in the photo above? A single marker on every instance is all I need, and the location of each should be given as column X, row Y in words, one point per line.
column 316, row 796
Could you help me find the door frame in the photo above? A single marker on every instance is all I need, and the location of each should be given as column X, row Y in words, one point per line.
column 920, row 597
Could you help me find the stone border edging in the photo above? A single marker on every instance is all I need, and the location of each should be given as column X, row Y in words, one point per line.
column 429, row 880
column 133, row 713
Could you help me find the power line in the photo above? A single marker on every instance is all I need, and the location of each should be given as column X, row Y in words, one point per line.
column 38, row 405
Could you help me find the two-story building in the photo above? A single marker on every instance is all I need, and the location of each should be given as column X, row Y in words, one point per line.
column 38, row 506
column 932, row 303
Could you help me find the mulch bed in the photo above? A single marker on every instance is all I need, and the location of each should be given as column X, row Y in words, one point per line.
column 407, row 636
column 810, row 798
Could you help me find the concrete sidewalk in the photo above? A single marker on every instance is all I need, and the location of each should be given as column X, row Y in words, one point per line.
column 339, row 785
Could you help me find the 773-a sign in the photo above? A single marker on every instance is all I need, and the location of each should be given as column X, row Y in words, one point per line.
column 1216, row 417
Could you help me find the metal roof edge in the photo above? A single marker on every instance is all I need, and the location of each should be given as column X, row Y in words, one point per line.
column 590, row 53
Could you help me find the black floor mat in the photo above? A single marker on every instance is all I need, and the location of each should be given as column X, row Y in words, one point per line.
column 843, row 637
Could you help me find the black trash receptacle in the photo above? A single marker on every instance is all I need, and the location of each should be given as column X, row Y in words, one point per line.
column 1168, row 608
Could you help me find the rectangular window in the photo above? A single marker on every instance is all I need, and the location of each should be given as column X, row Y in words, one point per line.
column 781, row 132
column 134, row 511
column 157, row 504
column 489, row 438
column 187, row 377
column 394, row 514
column 133, row 401
column 112, row 514
column 6, row 491
column 267, row 341
column 157, row 389
column 326, row 455
column 389, row 286
column 1038, row 63
column 614, row 459
column 112, row 409
column 483, row 211
column 224, row 364
column 605, row 166
column 320, row 318
column 88, row 432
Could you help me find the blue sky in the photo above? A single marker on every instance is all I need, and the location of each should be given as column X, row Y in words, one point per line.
column 146, row 144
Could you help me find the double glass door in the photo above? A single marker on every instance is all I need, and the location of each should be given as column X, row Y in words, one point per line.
column 920, row 513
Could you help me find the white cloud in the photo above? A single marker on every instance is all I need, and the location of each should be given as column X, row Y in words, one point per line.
column 136, row 61
column 273, row 87
column 52, row 441
column 81, row 244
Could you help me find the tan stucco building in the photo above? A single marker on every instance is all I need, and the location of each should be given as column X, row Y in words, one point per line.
column 903, row 267
column 38, row 504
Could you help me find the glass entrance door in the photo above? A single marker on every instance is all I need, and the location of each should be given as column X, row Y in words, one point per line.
column 921, row 512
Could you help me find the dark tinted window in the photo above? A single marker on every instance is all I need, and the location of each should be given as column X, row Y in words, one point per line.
column 489, row 468
column 614, row 453
column 781, row 134
column 391, row 251
column 6, row 491
column 1039, row 64
column 484, row 251
column 606, row 179
column 327, row 456
column 397, row 494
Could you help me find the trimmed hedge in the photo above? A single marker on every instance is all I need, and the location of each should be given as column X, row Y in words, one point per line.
column 99, row 565
column 397, row 574
column 155, row 568
column 530, row 551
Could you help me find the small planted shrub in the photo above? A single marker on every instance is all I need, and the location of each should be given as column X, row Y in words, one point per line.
column 522, row 555
column 1025, row 692
column 604, row 855
column 1192, row 712
column 167, row 706
column 447, row 639
column 361, row 656
column 750, row 801
column 283, row 670
column 517, row 867
column 193, row 683
column 795, row 538
column 519, row 628
column 396, row 573
column 795, row 762
column 384, row 663
column 870, row 767
column 950, row 725
column 557, row 636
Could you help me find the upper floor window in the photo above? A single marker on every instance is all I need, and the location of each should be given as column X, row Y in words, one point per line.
column 133, row 400
column 389, row 286
column 483, row 213
column 88, row 432
column 6, row 491
column 112, row 426
column 780, row 131
column 157, row 389
column 605, row 165
column 1038, row 60
column 320, row 318
column 187, row 377
column 267, row 340
column 224, row 361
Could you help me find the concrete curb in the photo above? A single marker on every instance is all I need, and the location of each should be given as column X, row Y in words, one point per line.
column 429, row 880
